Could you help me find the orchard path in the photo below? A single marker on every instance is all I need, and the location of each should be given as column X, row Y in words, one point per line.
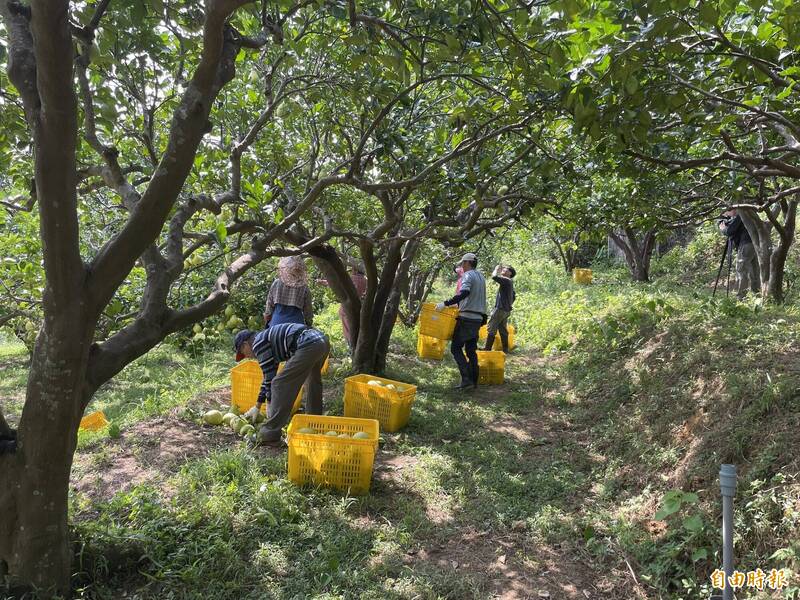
column 492, row 478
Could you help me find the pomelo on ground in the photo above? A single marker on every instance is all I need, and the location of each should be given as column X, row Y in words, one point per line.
column 213, row 417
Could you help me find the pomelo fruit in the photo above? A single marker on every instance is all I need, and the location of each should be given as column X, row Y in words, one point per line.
column 247, row 430
column 213, row 417
column 229, row 310
column 332, row 433
column 228, row 417
column 197, row 328
column 374, row 382
column 305, row 430
column 344, row 435
column 361, row 435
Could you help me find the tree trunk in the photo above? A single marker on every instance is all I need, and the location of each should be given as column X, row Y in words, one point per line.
column 774, row 288
column 637, row 253
column 34, row 538
column 418, row 289
column 373, row 309
column 772, row 258
column 567, row 251
column 760, row 232
column 393, row 305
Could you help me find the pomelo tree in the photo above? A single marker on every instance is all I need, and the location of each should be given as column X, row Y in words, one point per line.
column 158, row 143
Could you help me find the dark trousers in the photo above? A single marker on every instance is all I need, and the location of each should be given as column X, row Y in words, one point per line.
column 464, row 348
column 498, row 324
column 303, row 366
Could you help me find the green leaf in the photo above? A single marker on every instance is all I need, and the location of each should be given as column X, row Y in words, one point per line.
column 693, row 524
column 699, row 554
column 670, row 504
column 222, row 232
column 114, row 308
column 709, row 13
column 786, row 92
column 278, row 216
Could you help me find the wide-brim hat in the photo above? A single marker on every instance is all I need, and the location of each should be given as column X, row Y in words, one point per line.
column 292, row 271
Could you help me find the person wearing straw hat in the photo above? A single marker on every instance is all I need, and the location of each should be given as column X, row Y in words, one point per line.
column 471, row 301
column 304, row 349
column 498, row 321
column 289, row 299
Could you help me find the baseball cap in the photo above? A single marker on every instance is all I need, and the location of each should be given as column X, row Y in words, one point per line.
column 240, row 339
column 469, row 256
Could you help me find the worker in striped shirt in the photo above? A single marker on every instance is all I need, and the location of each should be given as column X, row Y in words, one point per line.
column 304, row 350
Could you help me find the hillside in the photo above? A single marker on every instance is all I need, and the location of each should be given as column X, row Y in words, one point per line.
column 546, row 486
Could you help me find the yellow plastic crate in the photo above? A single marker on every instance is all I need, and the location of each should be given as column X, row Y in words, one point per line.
column 390, row 407
column 94, row 421
column 492, row 367
column 341, row 463
column 498, row 343
column 246, row 378
column 429, row 347
column 583, row 276
column 437, row 324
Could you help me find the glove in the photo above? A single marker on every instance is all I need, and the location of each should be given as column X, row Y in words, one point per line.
column 440, row 306
column 252, row 414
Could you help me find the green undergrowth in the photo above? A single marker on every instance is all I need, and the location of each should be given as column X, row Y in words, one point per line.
column 233, row 527
column 601, row 449
column 668, row 384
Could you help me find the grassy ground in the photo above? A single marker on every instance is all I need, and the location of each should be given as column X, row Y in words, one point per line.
column 623, row 400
